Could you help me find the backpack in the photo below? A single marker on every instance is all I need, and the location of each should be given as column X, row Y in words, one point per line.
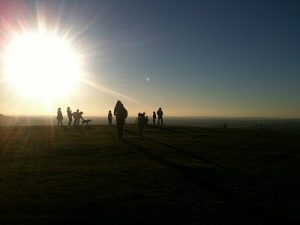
column 125, row 113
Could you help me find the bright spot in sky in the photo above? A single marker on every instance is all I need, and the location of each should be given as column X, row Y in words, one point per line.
column 42, row 65
column 148, row 79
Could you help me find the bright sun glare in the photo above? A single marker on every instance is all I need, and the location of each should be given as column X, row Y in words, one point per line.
column 42, row 65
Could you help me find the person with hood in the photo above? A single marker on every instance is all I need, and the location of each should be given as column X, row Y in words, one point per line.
column 121, row 114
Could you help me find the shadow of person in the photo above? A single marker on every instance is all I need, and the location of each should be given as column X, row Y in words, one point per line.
column 212, row 179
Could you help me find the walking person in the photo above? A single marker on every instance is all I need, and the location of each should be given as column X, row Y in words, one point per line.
column 59, row 117
column 154, row 118
column 69, row 112
column 109, row 117
column 121, row 114
column 160, row 114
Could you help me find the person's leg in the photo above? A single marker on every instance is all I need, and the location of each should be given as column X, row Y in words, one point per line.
column 119, row 128
column 119, row 131
column 120, row 124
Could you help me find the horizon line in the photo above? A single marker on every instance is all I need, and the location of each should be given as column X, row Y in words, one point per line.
column 174, row 116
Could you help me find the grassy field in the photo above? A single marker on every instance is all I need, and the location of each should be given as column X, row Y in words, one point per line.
column 171, row 175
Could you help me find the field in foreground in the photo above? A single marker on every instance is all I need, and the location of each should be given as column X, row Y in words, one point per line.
column 171, row 175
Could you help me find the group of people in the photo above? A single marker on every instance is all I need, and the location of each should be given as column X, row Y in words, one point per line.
column 159, row 116
column 72, row 116
column 120, row 112
column 142, row 120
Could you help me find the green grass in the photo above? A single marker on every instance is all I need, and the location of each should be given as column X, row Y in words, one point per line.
column 171, row 175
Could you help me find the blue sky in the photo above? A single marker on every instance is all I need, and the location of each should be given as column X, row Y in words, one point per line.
column 201, row 58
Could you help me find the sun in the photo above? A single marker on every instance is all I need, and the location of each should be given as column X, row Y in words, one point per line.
column 42, row 65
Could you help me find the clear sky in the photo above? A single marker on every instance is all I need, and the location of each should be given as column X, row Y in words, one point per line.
column 192, row 58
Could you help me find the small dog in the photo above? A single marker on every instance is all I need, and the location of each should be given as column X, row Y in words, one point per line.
column 86, row 122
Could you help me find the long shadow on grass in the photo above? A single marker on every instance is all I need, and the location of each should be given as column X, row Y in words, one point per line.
column 188, row 153
column 195, row 156
column 210, row 179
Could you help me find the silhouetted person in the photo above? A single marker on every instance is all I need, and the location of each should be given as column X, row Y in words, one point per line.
column 225, row 125
column 139, row 123
column 142, row 121
column 59, row 117
column 154, row 118
column 160, row 114
column 121, row 114
column 81, row 117
column 69, row 112
column 76, row 116
column 84, row 121
column 109, row 117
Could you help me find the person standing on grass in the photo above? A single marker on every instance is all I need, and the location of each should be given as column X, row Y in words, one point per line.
column 69, row 112
column 142, row 122
column 121, row 114
column 109, row 117
column 59, row 117
column 160, row 114
column 154, row 118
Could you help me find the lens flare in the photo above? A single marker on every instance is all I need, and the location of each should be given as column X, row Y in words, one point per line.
column 42, row 65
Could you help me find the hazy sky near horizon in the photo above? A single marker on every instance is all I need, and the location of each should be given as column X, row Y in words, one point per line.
column 192, row 58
